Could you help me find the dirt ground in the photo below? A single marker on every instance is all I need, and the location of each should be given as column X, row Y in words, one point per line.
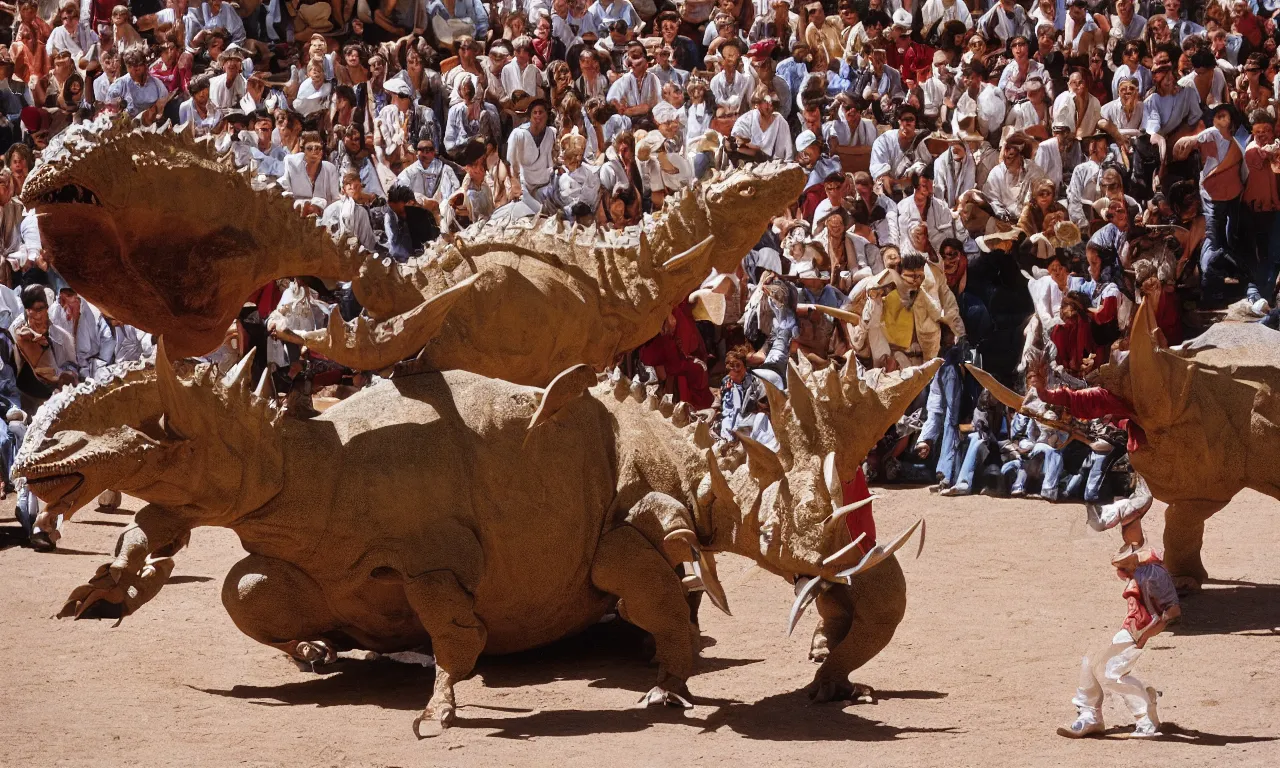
column 1006, row 598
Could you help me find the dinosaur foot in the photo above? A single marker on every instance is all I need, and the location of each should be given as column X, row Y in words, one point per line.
column 824, row 689
column 308, row 654
column 113, row 593
column 433, row 721
column 818, row 650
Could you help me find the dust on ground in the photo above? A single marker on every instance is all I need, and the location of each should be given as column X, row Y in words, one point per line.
column 1007, row 597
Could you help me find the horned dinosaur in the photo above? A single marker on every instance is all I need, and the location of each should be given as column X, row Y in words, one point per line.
column 1209, row 416
column 155, row 227
column 474, row 514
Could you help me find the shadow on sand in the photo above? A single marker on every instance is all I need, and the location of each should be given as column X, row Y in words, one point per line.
column 1176, row 734
column 1231, row 607
column 608, row 656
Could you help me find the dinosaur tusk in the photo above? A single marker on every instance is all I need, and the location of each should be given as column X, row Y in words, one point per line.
column 920, row 549
column 704, row 567
column 840, row 513
column 879, row 554
column 807, row 595
column 845, row 549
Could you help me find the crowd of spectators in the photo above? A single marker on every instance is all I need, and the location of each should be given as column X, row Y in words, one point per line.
column 997, row 184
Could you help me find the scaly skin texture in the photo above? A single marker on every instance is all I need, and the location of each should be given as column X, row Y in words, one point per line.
column 471, row 513
column 1211, row 417
column 155, row 229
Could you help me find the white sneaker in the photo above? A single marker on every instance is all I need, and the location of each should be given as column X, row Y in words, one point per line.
column 959, row 489
column 1260, row 307
column 1083, row 726
column 1145, row 729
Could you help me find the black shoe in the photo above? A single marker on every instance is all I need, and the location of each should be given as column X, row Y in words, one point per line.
column 41, row 542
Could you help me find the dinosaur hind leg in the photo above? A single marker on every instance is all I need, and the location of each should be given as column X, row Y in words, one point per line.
column 1183, row 537
column 871, row 609
column 277, row 604
column 447, row 611
column 652, row 598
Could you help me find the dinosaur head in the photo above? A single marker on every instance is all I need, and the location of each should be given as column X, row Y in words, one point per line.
column 154, row 433
column 148, row 224
column 742, row 203
column 793, row 500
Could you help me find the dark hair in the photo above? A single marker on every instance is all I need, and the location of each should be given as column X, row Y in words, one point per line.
column 835, row 177
column 400, row 194
column 1060, row 257
column 924, row 173
column 951, row 242
column 32, row 295
column 199, row 83
column 911, row 261
column 349, row 93
column 975, row 68
column 1202, row 59
column 1261, row 116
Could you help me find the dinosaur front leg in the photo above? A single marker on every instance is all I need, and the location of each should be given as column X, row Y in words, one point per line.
column 142, row 565
column 872, row 607
column 446, row 610
column 1183, row 538
column 652, row 598
column 835, row 617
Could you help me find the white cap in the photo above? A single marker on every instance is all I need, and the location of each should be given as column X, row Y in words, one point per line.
column 397, row 86
column 805, row 140
column 902, row 18
column 664, row 112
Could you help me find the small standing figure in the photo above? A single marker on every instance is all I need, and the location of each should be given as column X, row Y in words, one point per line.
column 1153, row 603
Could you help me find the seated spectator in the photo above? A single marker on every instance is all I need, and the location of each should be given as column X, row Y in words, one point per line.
column 308, row 179
column 762, row 134
column 409, row 227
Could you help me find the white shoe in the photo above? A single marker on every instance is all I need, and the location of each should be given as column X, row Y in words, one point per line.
column 1260, row 307
column 1094, row 513
column 959, row 489
column 1145, row 729
column 1083, row 726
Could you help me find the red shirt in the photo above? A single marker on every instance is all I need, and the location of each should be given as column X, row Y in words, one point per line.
column 1096, row 403
column 861, row 520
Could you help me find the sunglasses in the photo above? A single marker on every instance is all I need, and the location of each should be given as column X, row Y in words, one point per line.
column 314, row 148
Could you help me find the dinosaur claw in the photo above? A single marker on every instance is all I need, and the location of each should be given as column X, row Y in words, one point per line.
column 659, row 696
column 431, row 724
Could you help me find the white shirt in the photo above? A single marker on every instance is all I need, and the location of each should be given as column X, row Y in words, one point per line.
column 513, row 79
column 626, row 90
column 62, row 40
column 990, row 107
column 864, row 135
column 939, row 221
column 137, row 98
column 775, row 141
column 1008, row 194
column 225, row 95
column 530, row 159
column 296, row 184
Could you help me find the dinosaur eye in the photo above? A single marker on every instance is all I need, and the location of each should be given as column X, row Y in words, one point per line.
column 748, row 191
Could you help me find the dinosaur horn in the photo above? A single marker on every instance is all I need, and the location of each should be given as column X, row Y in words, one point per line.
column 807, row 595
column 571, row 384
column 802, row 402
column 698, row 256
column 1160, row 380
column 366, row 347
column 172, row 396
column 839, row 314
column 831, row 477
column 763, row 464
column 704, row 567
column 846, row 549
column 840, row 513
column 237, row 379
column 1006, row 396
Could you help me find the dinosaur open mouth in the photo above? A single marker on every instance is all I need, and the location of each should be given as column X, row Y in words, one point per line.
column 70, row 193
column 55, row 488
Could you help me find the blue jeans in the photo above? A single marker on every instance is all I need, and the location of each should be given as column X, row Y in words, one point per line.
column 974, row 456
column 1220, row 221
column 1044, row 462
column 1092, row 474
column 1264, row 226
column 943, row 419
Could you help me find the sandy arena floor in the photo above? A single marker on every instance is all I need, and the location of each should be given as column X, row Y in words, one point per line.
column 1005, row 600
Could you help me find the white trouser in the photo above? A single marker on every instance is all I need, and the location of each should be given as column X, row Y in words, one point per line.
column 1109, row 670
